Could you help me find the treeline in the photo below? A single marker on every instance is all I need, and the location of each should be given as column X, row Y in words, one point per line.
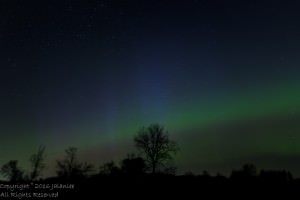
column 155, row 151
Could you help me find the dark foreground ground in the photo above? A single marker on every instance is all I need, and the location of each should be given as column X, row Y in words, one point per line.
column 153, row 187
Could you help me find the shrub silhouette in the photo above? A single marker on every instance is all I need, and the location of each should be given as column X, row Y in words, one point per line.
column 109, row 168
column 247, row 174
column 71, row 168
column 133, row 166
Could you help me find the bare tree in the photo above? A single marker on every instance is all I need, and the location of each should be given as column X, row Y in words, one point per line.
column 37, row 161
column 70, row 167
column 11, row 171
column 156, row 147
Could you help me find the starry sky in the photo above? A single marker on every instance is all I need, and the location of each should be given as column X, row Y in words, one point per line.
column 221, row 76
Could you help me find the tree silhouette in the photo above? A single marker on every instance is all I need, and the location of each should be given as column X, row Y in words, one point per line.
column 37, row 161
column 11, row 171
column 70, row 167
column 155, row 146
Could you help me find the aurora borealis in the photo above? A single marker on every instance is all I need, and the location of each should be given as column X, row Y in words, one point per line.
column 221, row 76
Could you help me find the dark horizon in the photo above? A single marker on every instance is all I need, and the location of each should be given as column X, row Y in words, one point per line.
column 71, row 169
column 221, row 76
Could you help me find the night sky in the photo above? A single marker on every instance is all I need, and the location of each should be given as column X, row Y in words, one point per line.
column 223, row 77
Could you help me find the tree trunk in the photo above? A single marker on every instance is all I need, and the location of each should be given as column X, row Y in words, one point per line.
column 154, row 168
